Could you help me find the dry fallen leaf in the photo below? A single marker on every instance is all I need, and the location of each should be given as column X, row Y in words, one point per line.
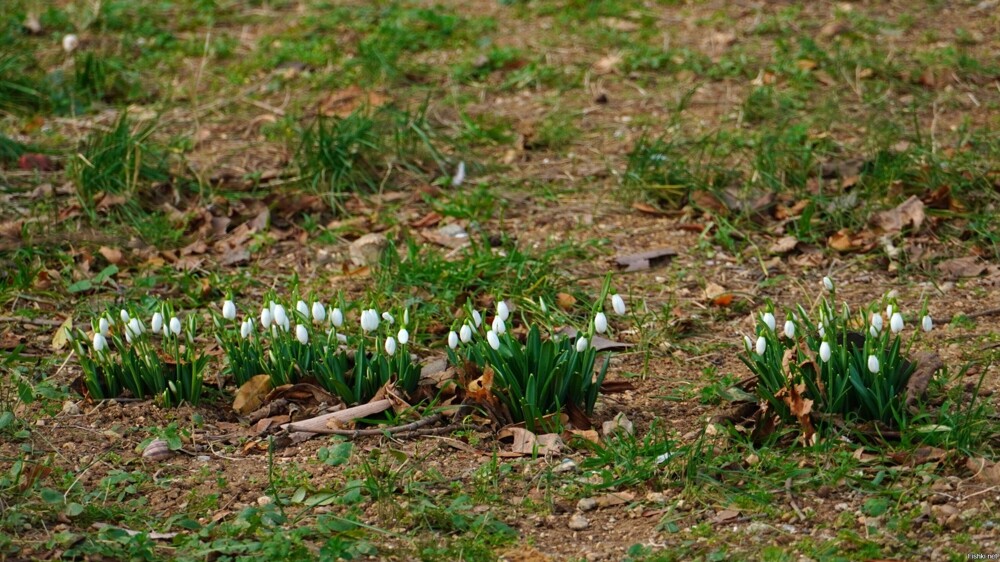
column 845, row 241
column 61, row 337
column 527, row 443
column 345, row 102
column 909, row 213
column 784, row 245
column 113, row 255
column 251, row 395
column 725, row 515
column 565, row 301
column 969, row 266
column 645, row 260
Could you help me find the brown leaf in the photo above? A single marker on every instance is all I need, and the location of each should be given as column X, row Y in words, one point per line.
column 708, row 202
column 585, row 434
column 426, row 221
column 61, row 337
column 845, row 241
column 607, row 64
column 565, row 301
column 784, row 245
column 108, row 201
column 919, row 456
column 40, row 162
column 962, row 267
column 481, row 389
column 927, row 363
column 984, row 470
column 527, row 443
column 645, row 260
column 251, row 395
column 113, row 255
column 909, row 213
column 725, row 515
column 649, row 209
column 345, row 102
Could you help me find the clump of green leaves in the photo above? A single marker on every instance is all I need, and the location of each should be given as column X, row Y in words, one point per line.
column 117, row 161
column 541, row 375
column 849, row 365
column 124, row 355
column 292, row 344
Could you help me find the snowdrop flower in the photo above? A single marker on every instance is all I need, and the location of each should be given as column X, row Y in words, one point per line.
column 102, row 326
column 452, row 339
column 877, row 322
column 175, row 326
column 493, row 340
column 768, row 319
column 873, row 331
column 271, row 306
column 369, row 319
column 281, row 317
column 229, row 310
column 124, row 316
column 822, row 331
column 302, row 308
column 581, row 345
column 618, row 304
column 128, row 335
column 477, row 318
column 390, row 346
column 459, row 176
column 889, row 310
column 100, row 342
column 156, row 324
column 388, row 318
column 600, row 323
column 761, row 345
column 502, row 311
column 134, row 326
column 873, row 365
column 828, row 283
column 246, row 328
column 541, row 304
column 896, row 323
column 498, row 326
column 789, row 329
column 70, row 43
column 824, row 352
column 341, row 338
column 265, row 318
column 926, row 323
column 337, row 317
column 318, row 312
column 466, row 333
column 403, row 336
column 747, row 343
column 302, row 334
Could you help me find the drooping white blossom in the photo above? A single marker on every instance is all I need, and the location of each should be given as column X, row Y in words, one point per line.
column 600, row 323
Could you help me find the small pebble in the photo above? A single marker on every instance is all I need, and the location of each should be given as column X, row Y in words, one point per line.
column 264, row 500
column 567, row 465
column 578, row 522
column 586, row 504
column 70, row 408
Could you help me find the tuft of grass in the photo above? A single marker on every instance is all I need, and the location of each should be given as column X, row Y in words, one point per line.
column 116, row 162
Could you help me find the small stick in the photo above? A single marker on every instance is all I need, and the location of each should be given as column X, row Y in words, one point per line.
column 405, row 428
column 791, row 500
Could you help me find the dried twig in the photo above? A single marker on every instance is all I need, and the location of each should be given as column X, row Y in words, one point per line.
column 791, row 500
column 399, row 429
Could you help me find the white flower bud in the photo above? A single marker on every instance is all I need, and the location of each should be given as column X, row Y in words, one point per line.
column 318, row 312
column 877, row 322
column 600, row 323
column 302, row 334
column 541, row 305
column 824, row 352
column 403, row 336
column 390, row 346
column 768, row 319
column 618, row 304
column 388, row 318
column 926, row 323
column 493, row 340
column 789, row 329
column 128, row 335
column 134, row 326
column 498, row 326
column 873, row 331
column 889, row 310
column 873, row 365
column 828, row 283
column 124, row 316
column 452, row 339
column 502, row 311
column 100, row 342
column 477, row 318
column 157, row 322
column 302, row 308
column 265, row 318
column 466, row 333
column 369, row 320
column 175, row 326
column 246, row 328
column 581, row 345
column 70, row 42
column 103, row 326
column 896, row 323
column 229, row 310
column 281, row 317
column 747, row 343
column 337, row 317
column 761, row 345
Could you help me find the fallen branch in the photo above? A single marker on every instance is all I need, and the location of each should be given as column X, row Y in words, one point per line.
column 411, row 427
column 321, row 424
